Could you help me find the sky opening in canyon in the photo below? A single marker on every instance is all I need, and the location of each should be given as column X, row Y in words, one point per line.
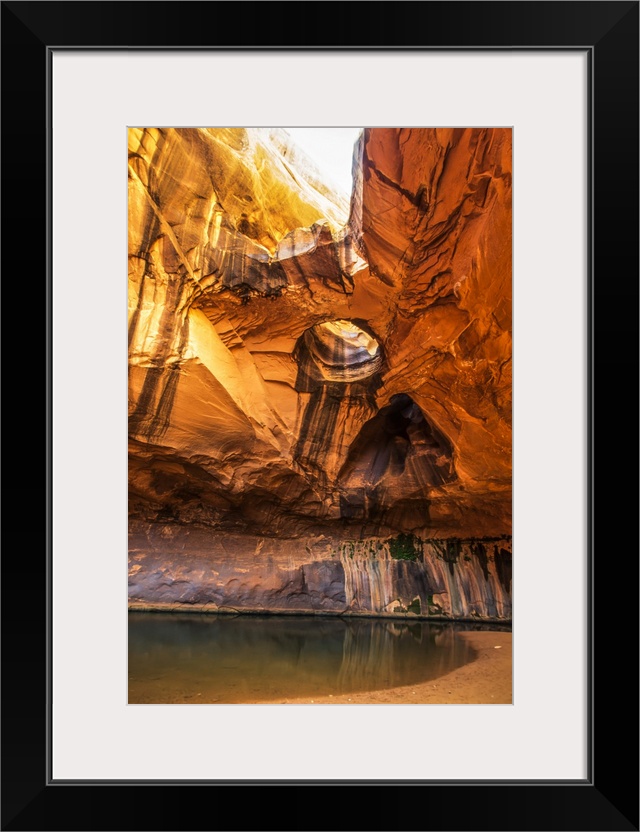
column 331, row 148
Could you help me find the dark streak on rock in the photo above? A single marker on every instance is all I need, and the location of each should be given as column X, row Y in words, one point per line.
column 153, row 408
column 503, row 560
column 449, row 550
column 478, row 549
column 133, row 324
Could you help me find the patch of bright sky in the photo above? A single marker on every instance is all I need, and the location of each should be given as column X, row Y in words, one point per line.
column 331, row 148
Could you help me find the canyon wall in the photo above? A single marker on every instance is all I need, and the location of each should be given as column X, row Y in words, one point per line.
column 174, row 568
column 314, row 385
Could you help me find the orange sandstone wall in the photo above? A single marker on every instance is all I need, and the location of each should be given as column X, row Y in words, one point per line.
column 243, row 423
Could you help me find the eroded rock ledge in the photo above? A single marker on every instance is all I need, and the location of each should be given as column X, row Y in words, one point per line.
column 308, row 375
column 180, row 569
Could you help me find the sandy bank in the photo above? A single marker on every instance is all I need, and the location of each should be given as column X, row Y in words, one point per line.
column 486, row 680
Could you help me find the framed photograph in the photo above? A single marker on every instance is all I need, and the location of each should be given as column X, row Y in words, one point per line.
column 530, row 110
column 320, row 415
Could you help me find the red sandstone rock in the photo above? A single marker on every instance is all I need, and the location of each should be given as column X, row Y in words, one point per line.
column 240, row 418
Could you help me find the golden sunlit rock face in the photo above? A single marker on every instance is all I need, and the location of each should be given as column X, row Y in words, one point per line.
column 320, row 393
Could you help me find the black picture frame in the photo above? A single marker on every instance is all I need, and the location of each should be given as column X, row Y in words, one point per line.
column 608, row 798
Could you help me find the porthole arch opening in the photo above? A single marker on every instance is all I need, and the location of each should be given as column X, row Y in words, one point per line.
column 339, row 350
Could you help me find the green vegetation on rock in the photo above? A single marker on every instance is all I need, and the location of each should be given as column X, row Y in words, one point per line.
column 405, row 547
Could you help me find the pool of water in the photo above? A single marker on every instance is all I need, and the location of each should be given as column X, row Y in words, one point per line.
column 200, row 659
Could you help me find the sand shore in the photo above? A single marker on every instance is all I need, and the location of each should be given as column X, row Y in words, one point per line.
column 486, row 680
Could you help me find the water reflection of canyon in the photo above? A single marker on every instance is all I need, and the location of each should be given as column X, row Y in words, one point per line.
column 199, row 659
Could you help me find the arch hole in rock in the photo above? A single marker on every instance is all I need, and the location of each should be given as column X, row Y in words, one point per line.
column 339, row 365
column 340, row 351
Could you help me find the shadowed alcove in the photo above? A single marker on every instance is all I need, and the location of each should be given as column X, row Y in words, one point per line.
column 399, row 449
